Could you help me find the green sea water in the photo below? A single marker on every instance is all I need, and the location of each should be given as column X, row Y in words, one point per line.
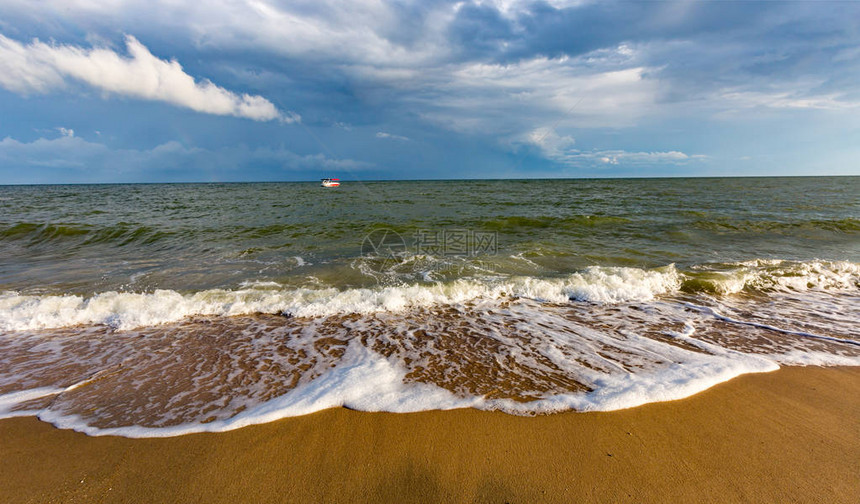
column 85, row 239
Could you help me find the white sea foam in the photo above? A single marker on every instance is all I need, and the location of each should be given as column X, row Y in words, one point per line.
column 12, row 399
column 128, row 310
column 779, row 275
column 124, row 310
column 716, row 314
column 607, row 346
column 363, row 380
column 366, row 381
column 622, row 284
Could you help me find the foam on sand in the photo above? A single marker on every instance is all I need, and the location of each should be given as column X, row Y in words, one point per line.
column 366, row 381
column 166, row 363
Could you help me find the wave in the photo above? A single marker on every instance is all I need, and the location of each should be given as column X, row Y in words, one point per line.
column 769, row 275
column 518, row 223
column 120, row 234
column 521, row 357
column 166, row 363
column 846, row 225
column 127, row 310
column 596, row 284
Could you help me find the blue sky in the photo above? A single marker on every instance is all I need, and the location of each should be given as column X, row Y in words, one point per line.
column 242, row 90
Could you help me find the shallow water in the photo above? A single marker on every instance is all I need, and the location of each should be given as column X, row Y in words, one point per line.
column 149, row 310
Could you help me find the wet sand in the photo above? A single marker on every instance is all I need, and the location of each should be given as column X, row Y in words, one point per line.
column 788, row 436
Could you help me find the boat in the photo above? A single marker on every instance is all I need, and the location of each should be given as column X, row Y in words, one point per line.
column 330, row 182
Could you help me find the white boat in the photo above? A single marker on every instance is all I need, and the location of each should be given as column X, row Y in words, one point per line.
column 330, row 182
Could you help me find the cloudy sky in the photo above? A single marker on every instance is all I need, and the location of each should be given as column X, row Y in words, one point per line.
column 235, row 90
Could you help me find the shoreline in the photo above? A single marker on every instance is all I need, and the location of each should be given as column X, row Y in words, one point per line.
column 789, row 435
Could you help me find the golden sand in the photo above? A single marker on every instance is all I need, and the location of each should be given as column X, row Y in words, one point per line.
column 791, row 435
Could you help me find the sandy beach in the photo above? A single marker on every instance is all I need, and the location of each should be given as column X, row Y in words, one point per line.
column 540, row 251
column 788, row 436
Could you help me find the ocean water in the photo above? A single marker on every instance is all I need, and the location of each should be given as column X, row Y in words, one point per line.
column 158, row 310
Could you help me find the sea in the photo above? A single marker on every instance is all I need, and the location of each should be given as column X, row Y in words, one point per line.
column 153, row 310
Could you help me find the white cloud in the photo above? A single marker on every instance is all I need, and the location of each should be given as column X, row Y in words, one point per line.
column 65, row 152
column 67, row 132
column 799, row 98
column 401, row 54
column 370, row 31
column 40, row 68
column 390, row 136
column 622, row 157
column 405, row 51
column 511, row 8
column 20, row 73
column 549, row 141
column 575, row 92
column 560, row 149
column 74, row 159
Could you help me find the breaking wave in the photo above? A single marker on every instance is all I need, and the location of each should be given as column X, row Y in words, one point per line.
column 128, row 310
column 166, row 363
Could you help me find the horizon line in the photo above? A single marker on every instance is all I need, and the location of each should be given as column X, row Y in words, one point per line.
column 304, row 181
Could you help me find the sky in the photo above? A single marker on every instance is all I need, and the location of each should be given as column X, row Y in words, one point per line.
column 269, row 90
